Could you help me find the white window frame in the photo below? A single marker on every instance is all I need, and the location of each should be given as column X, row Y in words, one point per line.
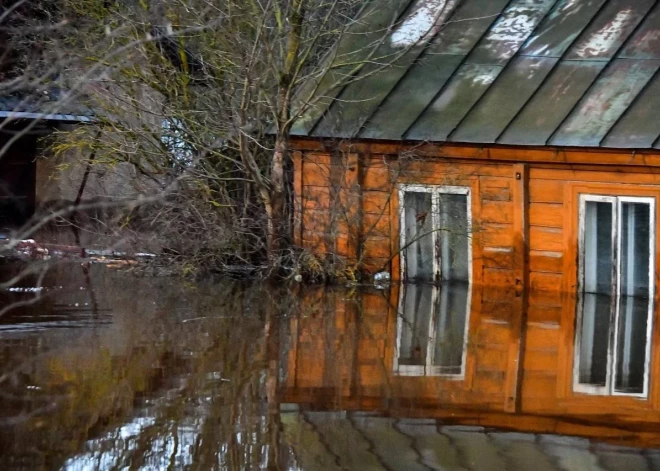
column 428, row 369
column 616, row 202
column 436, row 191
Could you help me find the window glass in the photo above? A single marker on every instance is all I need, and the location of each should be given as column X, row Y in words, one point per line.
column 631, row 344
column 598, row 260
column 450, row 328
column 436, row 258
column 595, row 339
column 436, row 234
column 614, row 322
column 454, row 237
column 635, row 248
column 415, row 323
column 419, row 240
column 431, row 330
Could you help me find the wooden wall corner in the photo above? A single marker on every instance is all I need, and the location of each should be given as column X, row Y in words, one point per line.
column 521, row 274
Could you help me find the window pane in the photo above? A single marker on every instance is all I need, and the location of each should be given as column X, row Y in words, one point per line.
column 454, row 237
column 594, row 339
column 416, row 320
column 419, row 240
column 631, row 344
column 613, row 347
column 450, row 328
column 635, row 248
column 598, row 260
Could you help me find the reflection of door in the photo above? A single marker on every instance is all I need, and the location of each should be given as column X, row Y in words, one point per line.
column 17, row 182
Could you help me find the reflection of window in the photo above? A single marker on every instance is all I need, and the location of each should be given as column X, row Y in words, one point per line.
column 432, row 329
column 435, row 228
column 616, row 267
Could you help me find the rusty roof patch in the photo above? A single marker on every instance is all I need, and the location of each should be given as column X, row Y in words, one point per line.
column 604, row 104
column 645, row 43
column 638, row 128
column 609, row 30
column 517, row 72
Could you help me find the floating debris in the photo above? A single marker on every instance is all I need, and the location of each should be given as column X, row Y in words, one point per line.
column 32, row 249
column 33, row 289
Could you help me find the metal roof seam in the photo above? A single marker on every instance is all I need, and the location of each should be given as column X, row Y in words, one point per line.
column 575, row 73
column 453, row 74
column 446, row 64
column 552, row 12
column 552, row 70
column 656, row 141
column 656, row 5
column 506, row 65
column 655, row 76
column 412, row 64
column 598, row 76
column 327, row 111
column 371, row 443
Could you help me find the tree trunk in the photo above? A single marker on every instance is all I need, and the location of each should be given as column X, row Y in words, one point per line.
column 274, row 423
column 275, row 206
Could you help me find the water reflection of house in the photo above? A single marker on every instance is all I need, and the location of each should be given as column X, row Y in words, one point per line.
column 444, row 353
column 516, row 149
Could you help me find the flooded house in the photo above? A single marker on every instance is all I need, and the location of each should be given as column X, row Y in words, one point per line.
column 505, row 167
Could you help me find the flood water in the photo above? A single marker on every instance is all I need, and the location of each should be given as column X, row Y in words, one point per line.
column 112, row 371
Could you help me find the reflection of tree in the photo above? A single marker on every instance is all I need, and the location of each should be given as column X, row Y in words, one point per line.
column 191, row 384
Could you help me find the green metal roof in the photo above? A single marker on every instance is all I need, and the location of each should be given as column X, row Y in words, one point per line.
column 518, row 72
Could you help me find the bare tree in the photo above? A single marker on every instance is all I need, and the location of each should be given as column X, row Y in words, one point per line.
column 196, row 100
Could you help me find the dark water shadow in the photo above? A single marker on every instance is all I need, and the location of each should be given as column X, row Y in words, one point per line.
column 160, row 374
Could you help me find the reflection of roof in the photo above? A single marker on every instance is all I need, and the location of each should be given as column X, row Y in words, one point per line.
column 519, row 72
column 330, row 440
column 50, row 106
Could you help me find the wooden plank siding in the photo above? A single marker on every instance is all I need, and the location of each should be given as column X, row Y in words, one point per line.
column 346, row 346
column 520, row 352
column 326, row 217
column 355, row 214
column 341, row 357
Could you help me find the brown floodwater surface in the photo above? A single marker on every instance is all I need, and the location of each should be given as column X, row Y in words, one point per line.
column 107, row 370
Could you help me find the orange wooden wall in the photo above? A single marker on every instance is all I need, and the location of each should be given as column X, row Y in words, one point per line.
column 348, row 207
column 554, row 194
column 345, row 347
column 525, row 210
column 341, row 357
